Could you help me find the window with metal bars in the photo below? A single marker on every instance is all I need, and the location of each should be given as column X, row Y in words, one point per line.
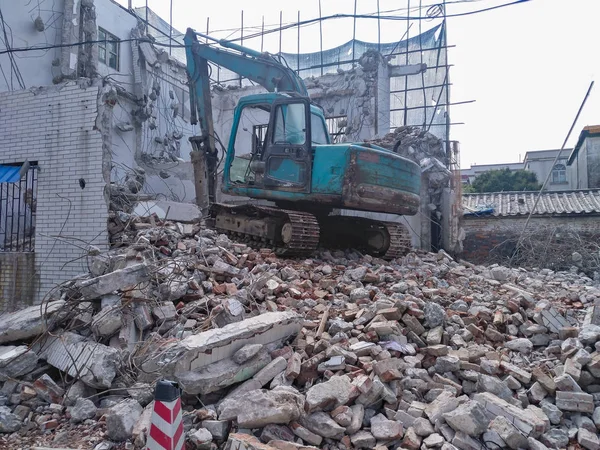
column 18, row 201
column 108, row 49
column 337, row 128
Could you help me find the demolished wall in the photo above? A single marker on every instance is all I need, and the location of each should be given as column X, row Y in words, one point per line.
column 557, row 243
column 56, row 126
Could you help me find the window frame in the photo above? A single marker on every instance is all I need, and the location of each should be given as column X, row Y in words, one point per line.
column 103, row 47
column 559, row 174
column 336, row 132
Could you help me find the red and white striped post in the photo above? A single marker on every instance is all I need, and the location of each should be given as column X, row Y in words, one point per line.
column 166, row 428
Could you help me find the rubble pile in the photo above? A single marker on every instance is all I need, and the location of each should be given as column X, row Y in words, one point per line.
column 413, row 143
column 340, row 351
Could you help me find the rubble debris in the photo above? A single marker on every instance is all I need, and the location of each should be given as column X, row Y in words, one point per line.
column 338, row 351
column 113, row 281
column 121, row 419
column 91, row 362
column 29, row 322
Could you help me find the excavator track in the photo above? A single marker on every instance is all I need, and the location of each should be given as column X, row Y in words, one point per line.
column 400, row 242
column 387, row 240
column 298, row 233
column 288, row 233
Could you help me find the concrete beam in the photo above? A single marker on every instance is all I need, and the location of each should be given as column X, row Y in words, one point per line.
column 410, row 69
column 28, row 322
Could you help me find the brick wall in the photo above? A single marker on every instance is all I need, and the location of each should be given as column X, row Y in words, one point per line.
column 55, row 127
column 492, row 239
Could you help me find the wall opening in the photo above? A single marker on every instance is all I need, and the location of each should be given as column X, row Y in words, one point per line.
column 337, row 128
column 18, row 202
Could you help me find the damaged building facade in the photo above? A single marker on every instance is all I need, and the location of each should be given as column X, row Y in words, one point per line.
column 97, row 124
column 104, row 127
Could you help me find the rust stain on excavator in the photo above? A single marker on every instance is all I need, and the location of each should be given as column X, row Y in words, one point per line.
column 359, row 192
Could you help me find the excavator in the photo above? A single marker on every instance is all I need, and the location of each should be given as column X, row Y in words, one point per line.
column 280, row 151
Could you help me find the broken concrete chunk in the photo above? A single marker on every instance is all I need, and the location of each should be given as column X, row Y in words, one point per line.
column 444, row 403
column 363, row 439
column 221, row 374
column 246, row 352
column 165, row 312
column 330, row 394
column 121, row 418
column 305, row 434
column 322, row 424
column 588, row 439
column 522, row 345
column 508, row 432
column 470, row 418
column 385, row 429
column 575, row 401
column 114, row 281
column 82, row 410
column 201, row 439
column 91, row 362
column 16, row 361
column 29, row 322
column 522, row 375
column 107, row 321
column 261, row 407
column 9, row 422
column 267, row 373
column 528, row 423
column 551, row 319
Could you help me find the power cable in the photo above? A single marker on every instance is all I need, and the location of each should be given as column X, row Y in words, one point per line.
column 76, row 44
column 368, row 16
column 13, row 63
column 273, row 30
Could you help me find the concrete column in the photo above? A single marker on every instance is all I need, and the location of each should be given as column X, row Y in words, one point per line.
column 382, row 99
column 68, row 55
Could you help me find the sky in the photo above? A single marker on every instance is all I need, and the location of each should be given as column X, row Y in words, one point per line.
column 527, row 66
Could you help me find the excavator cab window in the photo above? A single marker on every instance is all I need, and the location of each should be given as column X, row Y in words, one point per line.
column 318, row 131
column 290, row 124
column 249, row 142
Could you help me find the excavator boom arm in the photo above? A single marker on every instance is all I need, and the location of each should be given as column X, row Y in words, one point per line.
column 262, row 68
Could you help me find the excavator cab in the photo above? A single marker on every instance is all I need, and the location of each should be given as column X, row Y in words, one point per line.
column 271, row 144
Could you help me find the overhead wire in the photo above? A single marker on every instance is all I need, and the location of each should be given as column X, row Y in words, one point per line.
column 272, row 30
column 13, row 63
column 369, row 16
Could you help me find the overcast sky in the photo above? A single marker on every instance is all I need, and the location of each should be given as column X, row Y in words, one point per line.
column 528, row 66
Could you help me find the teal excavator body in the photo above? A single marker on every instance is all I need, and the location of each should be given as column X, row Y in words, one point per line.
column 280, row 150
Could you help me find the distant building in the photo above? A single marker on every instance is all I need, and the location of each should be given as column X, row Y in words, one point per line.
column 584, row 160
column 541, row 162
column 469, row 175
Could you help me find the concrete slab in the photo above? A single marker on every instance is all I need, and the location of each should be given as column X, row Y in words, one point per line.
column 175, row 211
column 525, row 421
column 113, row 281
column 91, row 362
column 200, row 350
column 29, row 322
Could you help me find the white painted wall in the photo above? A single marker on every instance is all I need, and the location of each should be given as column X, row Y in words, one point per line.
column 119, row 22
column 35, row 66
column 68, row 148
